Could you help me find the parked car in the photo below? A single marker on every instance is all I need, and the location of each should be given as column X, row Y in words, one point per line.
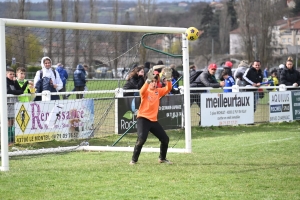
column 103, row 72
column 121, row 72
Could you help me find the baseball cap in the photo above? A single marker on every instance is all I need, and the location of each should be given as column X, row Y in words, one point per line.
column 228, row 64
column 281, row 66
column 212, row 66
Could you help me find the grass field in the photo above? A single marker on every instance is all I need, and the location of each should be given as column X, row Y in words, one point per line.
column 242, row 162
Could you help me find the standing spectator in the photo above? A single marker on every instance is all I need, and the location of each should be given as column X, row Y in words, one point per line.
column 289, row 75
column 14, row 88
column 175, row 75
column 47, row 79
column 192, row 70
column 266, row 73
column 135, row 80
column 205, row 79
column 147, row 116
column 79, row 80
column 229, row 81
column 86, row 69
column 274, row 80
column 63, row 76
column 227, row 68
column 160, row 62
column 21, row 74
column 253, row 77
column 281, row 67
column 242, row 67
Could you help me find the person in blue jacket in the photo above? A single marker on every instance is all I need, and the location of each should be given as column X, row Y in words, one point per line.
column 229, row 81
column 79, row 80
column 63, row 76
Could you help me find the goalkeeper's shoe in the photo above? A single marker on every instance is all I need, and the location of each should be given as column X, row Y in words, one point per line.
column 132, row 162
column 165, row 161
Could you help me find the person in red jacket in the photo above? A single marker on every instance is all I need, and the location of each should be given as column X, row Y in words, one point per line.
column 147, row 115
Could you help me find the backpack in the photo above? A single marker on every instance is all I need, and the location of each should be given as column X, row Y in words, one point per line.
column 44, row 84
column 194, row 76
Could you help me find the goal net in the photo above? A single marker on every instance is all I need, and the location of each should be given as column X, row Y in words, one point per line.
column 103, row 119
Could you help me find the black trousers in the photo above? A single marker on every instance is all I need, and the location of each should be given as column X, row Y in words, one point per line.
column 143, row 127
column 79, row 88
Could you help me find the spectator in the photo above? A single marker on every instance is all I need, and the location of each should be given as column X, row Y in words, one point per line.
column 229, row 81
column 21, row 74
column 192, row 69
column 205, row 79
column 266, row 73
column 79, row 80
column 175, row 75
column 227, row 68
column 135, row 80
column 281, row 67
column 274, row 80
column 240, row 81
column 242, row 67
column 63, row 76
column 253, row 77
column 160, row 62
column 47, row 79
column 289, row 75
column 14, row 88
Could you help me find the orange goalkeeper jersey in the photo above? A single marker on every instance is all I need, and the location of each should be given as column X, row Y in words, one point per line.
column 150, row 100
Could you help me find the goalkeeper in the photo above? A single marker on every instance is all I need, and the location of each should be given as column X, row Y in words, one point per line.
column 147, row 115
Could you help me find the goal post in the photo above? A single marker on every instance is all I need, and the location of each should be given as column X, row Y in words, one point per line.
column 93, row 27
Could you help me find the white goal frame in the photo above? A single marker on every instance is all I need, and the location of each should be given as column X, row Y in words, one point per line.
column 91, row 26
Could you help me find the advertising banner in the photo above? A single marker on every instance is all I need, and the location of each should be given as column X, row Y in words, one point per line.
column 296, row 105
column 169, row 113
column 42, row 121
column 280, row 106
column 221, row 109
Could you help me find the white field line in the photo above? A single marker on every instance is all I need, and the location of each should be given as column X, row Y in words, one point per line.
column 270, row 141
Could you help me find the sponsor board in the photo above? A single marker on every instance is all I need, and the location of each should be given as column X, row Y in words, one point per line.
column 222, row 109
column 296, row 104
column 36, row 121
column 169, row 113
column 280, row 106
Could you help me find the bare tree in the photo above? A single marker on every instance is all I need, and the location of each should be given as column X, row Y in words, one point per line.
column 115, row 34
column 256, row 17
column 50, row 18
column 93, row 19
column 64, row 14
column 225, row 26
column 22, row 36
column 76, row 33
column 146, row 16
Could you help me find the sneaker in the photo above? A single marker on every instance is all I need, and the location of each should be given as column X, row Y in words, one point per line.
column 165, row 161
column 132, row 162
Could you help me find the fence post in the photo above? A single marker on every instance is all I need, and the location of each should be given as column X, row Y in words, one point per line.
column 46, row 95
column 118, row 93
column 282, row 87
column 235, row 88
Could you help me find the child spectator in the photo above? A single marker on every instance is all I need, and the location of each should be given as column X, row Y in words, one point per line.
column 229, row 81
column 21, row 74
column 274, row 80
column 14, row 88
column 63, row 76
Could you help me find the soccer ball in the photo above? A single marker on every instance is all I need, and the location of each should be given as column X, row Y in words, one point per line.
column 192, row 33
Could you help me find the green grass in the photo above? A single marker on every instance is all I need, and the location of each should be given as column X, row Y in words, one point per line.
column 242, row 162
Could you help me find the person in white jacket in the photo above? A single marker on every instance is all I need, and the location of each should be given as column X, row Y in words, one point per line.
column 48, row 72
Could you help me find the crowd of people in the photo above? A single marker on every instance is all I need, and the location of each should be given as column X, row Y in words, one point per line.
column 245, row 75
